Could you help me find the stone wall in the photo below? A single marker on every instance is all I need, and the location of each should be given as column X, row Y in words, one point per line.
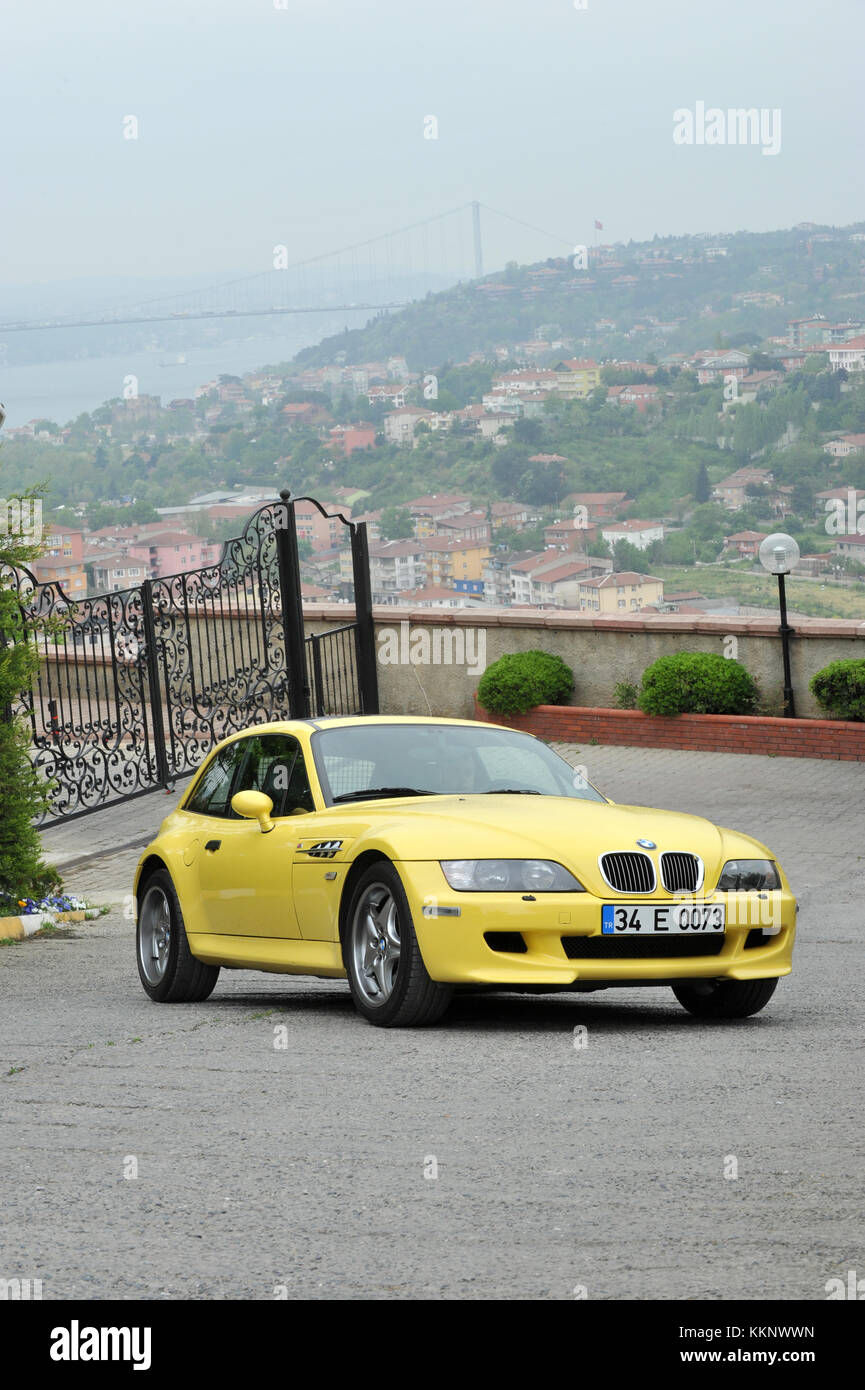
column 600, row 651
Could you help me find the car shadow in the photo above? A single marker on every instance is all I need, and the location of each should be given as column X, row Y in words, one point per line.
column 496, row 1012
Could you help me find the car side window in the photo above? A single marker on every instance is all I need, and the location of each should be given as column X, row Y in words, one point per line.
column 275, row 765
column 214, row 790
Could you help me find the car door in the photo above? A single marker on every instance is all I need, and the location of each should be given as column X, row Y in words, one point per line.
column 244, row 875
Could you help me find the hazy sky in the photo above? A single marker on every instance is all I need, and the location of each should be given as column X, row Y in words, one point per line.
column 304, row 124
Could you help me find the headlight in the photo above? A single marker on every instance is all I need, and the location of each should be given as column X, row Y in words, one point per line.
column 509, row 876
column 748, row 876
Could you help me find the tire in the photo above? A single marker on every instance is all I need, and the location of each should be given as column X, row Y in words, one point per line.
column 167, row 968
column 726, row 999
column 386, row 974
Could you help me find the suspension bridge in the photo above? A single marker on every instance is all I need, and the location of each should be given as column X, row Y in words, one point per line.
column 374, row 276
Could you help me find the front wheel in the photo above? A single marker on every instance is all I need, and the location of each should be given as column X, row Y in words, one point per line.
column 167, row 968
column 389, row 982
column 725, row 998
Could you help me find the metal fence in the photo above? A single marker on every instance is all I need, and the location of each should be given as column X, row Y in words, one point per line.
column 135, row 688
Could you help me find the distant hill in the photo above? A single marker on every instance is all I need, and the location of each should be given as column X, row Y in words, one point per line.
column 666, row 295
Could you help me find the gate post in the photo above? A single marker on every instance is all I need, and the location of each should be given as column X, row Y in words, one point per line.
column 153, row 683
column 364, row 632
column 288, row 557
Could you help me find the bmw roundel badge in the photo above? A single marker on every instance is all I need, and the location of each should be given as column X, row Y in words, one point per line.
column 647, row 844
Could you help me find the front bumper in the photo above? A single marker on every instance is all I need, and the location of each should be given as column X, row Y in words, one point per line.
column 757, row 944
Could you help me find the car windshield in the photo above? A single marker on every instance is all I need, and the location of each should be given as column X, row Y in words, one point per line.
column 434, row 759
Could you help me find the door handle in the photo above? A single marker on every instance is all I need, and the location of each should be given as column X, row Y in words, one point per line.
column 212, row 846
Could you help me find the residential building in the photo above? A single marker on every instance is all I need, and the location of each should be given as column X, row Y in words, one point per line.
column 348, row 438
column 323, row 532
column 527, row 379
column 851, row 546
column 516, row 516
column 850, row 355
column 394, row 566
column 433, row 596
column 399, row 425
column 744, row 544
column 112, row 571
column 425, row 511
column 62, row 561
column 466, row 526
column 845, row 445
column 713, row 365
column 174, row 552
column 456, row 564
column 732, row 491
column 640, row 534
column 641, row 396
column 497, row 575
column 569, row 536
column 302, row 413
column 599, row 506
column 577, row 378
column 803, row 333
column 616, row 594
column 394, row 396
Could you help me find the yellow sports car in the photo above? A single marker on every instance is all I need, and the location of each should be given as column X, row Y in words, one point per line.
column 415, row 856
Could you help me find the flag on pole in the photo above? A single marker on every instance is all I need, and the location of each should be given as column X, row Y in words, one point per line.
column 599, row 226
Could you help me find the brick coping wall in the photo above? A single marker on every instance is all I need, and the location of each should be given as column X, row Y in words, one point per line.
column 715, row 733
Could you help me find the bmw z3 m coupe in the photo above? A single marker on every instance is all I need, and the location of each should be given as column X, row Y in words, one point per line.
column 417, row 856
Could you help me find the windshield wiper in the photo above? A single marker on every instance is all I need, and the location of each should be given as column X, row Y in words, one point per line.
column 512, row 791
column 369, row 792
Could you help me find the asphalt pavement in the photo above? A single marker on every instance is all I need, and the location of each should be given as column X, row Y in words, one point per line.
column 184, row 1152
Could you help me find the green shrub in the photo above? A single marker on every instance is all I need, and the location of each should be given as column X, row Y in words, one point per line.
column 627, row 695
column 521, row 680
column 697, row 683
column 839, row 689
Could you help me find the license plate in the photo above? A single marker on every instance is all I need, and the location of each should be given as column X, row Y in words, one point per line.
column 671, row 919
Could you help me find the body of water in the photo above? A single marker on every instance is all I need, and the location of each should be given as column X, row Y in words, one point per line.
column 61, row 391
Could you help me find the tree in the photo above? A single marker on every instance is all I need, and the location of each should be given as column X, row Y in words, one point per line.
column 628, row 557
column 396, row 524
column 702, row 487
column 528, row 431
column 802, row 498
column 23, row 873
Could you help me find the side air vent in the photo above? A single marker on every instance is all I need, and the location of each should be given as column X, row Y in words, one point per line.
column 512, row 941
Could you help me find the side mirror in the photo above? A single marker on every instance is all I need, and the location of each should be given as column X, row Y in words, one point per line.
column 254, row 806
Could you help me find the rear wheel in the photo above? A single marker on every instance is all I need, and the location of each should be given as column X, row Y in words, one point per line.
column 725, row 998
column 168, row 970
column 389, row 982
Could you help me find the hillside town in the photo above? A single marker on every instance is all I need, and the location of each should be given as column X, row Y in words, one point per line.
column 583, row 551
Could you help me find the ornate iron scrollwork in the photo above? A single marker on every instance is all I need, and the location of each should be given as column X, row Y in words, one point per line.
column 135, row 688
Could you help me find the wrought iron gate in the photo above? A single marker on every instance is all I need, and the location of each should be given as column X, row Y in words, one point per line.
column 135, row 688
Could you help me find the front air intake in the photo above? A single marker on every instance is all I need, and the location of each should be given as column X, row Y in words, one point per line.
column 681, row 873
column 628, row 872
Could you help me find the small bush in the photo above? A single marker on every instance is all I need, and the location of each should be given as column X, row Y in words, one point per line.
column 839, row 689
column 521, row 680
column 697, row 683
column 627, row 695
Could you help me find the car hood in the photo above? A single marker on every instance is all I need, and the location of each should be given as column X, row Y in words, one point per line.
column 565, row 829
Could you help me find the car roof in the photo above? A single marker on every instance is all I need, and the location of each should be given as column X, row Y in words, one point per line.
column 331, row 721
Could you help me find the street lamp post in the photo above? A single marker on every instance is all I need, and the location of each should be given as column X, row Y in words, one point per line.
column 779, row 554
